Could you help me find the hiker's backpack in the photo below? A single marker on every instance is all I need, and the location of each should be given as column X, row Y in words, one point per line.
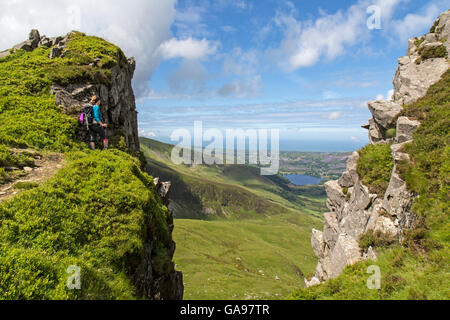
column 87, row 116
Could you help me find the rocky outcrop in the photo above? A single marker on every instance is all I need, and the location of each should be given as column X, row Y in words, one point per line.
column 153, row 274
column 118, row 100
column 416, row 72
column 353, row 210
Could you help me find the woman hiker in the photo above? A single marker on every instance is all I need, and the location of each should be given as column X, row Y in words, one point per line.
column 98, row 128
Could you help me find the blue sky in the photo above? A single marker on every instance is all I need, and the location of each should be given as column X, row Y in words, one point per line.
column 247, row 81
column 307, row 68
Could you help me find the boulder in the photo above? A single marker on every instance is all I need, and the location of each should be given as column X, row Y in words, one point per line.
column 406, row 129
column 34, row 37
column 314, row 282
column 384, row 112
column 350, row 176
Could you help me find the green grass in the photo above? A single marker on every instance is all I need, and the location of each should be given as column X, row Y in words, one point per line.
column 375, row 167
column 10, row 162
column 433, row 52
column 419, row 268
column 404, row 276
column 29, row 117
column 232, row 186
column 25, row 185
column 222, row 259
column 265, row 227
column 96, row 213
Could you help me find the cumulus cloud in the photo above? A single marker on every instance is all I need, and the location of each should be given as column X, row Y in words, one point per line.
column 187, row 48
column 412, row 24
column 137, row 26
column 306, row 43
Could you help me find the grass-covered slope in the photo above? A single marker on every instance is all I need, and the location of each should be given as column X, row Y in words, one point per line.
column 261, row 258
column 28, row 114
column 95, row 214
column 231, row 191
column 419, row 268
column 255, row 241
column 98, row 213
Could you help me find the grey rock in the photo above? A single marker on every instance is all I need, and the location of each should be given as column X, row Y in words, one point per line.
column 397, row 152
column 55, row 52
column 412, row 80
column 331, row 230
column 34, row 37
column 45, row 42
column 350, row 176
column 314, row 282
column 345, row 253
column 370, row 255
column 384, row 112
column 26, row 45
column 398, row 199
column 163, row 189
column 406, row 129
column 386, row 226
column 318, row 243
column 336, row 198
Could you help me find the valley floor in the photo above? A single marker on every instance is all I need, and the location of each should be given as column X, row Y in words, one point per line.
column 244, row 260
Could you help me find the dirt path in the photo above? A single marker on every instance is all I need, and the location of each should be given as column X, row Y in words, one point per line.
column 45, row 166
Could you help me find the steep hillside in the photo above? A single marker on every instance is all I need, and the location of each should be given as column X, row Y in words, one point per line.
column 391, row 207
column 99, row 212
column 239, row 235
column 232, row 191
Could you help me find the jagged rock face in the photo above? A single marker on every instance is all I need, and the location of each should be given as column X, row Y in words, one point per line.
column 353, row 210
column 118, row 103
column 118, row 100
column 412, row 79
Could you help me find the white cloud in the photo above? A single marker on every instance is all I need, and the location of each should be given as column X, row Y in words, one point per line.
column 390, row 95
column 147, row 133
column 138, row 27
column 413, row 24
column 306, row 43
column 355, row 139
column 379, row 97
column 189, row 48
column 334, row 116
